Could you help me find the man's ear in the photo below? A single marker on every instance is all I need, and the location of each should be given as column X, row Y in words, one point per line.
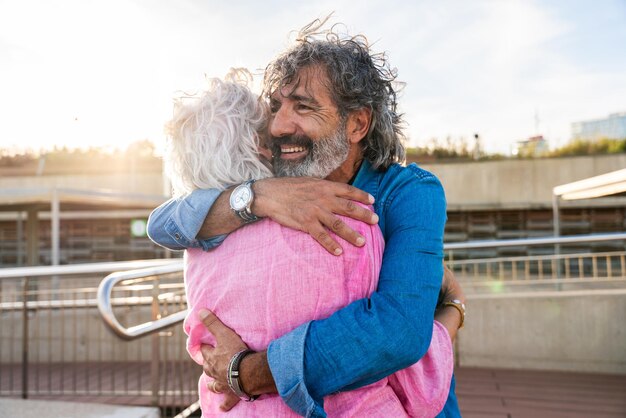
column 358, row 124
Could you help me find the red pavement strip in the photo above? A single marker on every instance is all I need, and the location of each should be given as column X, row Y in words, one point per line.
column 538, row 394
column 482, row 393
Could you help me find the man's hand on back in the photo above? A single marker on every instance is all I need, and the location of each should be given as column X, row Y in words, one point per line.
column 254, row 373
column 303, row 203
column 216, row 358
column 312, row 205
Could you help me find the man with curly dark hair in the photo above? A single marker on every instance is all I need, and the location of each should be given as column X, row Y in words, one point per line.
column 333, row 116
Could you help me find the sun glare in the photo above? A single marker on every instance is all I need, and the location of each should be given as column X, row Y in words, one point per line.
column 104, row 74
column 80, row 83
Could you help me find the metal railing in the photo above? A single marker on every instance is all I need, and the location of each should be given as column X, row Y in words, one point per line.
column 53, row 341
column 555, row 263
column 559, row 266
column 574, row 239
column 106, row 302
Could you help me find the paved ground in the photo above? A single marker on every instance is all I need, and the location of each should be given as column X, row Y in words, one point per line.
column 11, row 408
column 490, row 393
column 483, row 393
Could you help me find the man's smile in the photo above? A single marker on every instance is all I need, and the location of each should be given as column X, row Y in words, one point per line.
column 292, row 152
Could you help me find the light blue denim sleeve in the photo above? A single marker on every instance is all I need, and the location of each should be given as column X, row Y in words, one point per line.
column 175, row 224
column 285, row 359
column 372, row 338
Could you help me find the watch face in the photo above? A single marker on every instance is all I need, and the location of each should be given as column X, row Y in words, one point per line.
column 240, row 197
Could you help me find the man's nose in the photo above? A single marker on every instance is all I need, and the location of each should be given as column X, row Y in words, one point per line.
column 282, row 123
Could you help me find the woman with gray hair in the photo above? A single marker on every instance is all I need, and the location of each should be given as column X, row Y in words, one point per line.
column 265, row 279
column 213, row 138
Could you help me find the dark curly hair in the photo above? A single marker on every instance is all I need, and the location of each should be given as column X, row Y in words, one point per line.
column 357, row 78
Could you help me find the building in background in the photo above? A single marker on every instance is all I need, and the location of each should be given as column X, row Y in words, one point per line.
column 535, row 146
column 613, row 127
column 486, row 200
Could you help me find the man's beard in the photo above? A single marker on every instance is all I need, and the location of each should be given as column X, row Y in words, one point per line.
column 322, row 158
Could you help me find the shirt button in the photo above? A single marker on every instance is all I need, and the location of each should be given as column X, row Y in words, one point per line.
column 177, row 235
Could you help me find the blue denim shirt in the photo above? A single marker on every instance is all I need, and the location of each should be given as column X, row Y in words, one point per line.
column 370, row 338
column 175, row 224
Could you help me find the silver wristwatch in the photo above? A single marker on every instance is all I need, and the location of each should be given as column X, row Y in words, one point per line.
column 241, row 199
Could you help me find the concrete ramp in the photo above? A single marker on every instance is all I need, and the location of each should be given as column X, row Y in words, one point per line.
column 11, row 408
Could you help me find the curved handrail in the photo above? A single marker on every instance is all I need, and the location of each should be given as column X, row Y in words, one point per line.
column 106, row 307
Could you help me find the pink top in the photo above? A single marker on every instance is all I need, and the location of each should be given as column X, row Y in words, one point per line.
column 266, row 279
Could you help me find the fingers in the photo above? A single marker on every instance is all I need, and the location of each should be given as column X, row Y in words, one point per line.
column 352, row 193
column 321, row 235
column 230, row 400
column 328, row 221
column 217, row 387
column 213, row 324
column 206, row 351
column 314, row 206
column 345, row 203
column 350, row 209
column 342, row 230
column 208, row 365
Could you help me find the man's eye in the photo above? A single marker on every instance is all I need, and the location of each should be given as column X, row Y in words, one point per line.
column 274, row 107
column 302, row 106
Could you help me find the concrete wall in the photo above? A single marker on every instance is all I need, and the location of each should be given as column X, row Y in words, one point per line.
column 516, row 183
column 511, row 184
column 579, row 331
column 138, row 183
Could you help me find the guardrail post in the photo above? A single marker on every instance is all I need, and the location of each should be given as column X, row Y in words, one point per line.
column 154, row 366
column 25, row 338
column 556, row 226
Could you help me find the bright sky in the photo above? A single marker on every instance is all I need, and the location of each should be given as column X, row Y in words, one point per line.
column 81, row 73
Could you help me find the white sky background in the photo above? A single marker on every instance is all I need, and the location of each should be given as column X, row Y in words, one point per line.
column 81, row 73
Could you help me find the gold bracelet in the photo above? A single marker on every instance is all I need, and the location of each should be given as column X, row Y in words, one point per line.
column 460, row 306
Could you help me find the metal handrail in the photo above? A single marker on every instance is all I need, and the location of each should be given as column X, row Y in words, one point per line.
column 534, row 241
column 106, row 286
column 106, row 307
column 87, row 268
column 58, row 345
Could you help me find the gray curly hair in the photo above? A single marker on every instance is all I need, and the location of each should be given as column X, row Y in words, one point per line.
column 213, row 137
column 357, row 79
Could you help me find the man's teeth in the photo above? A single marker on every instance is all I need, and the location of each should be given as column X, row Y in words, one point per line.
column 292, row 149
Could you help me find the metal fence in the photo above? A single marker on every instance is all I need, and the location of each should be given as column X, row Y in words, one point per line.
column 53, row 342
column 562, row 263
column 541, row 268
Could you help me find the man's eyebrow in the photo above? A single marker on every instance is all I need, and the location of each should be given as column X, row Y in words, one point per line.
column 305, row 99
